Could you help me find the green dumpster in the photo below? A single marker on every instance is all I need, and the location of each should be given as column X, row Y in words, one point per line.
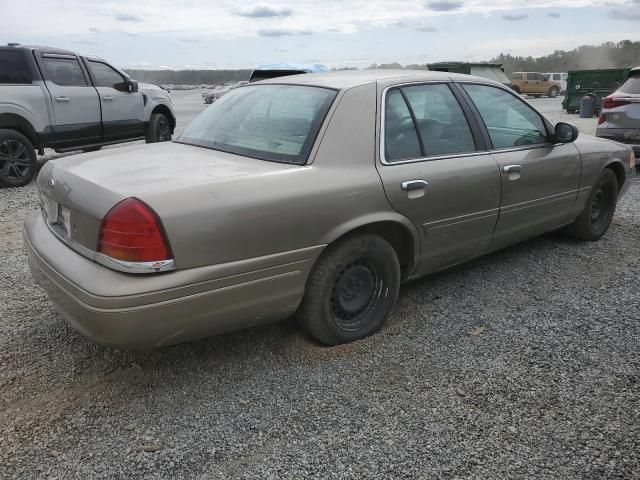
column 600, row 83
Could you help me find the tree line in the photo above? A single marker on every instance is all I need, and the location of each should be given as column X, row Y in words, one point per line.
column 625, row 53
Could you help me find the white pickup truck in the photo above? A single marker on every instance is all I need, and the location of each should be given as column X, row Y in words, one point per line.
column 51, row 98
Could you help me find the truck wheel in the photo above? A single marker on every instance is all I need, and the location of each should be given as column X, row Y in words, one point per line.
column 553, row 92
column 18, row 161
column 516, row 88
column 351, row 290
column 598, row 212
column 159, row 129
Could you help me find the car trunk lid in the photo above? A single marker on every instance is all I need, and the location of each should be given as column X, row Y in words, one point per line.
column 77, row 192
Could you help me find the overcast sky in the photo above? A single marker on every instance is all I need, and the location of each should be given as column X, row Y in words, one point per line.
column 231, row 34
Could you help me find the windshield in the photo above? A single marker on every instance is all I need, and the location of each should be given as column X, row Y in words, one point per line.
column 632, row 85
column 278, row 123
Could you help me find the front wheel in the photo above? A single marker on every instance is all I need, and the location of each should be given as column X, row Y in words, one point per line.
column 598, row 212
column 553, row 92
column 351, row 290
column 159, row 129
column 18, row 161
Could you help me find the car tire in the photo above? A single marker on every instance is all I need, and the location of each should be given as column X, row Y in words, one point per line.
column 18, row 160
column 599, row 209
column 351, row 290
column 553, row 92
column 92, row 149
column 159, row 129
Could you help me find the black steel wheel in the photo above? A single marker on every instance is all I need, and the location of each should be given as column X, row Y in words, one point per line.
column 159, row 129
column 599, row 209
column 351, row 289
column 18, row 161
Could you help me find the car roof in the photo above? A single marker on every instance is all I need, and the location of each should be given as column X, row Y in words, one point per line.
column 344, row 79
column 51, row 50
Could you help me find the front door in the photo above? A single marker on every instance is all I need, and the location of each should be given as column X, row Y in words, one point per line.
column 435, row 171
column 540, row 180
column 76, row 108
column 122, row 111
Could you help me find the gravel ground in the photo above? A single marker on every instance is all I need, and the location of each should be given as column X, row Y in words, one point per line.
column 521, row 364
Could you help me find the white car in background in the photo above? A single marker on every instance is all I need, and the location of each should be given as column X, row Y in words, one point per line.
column 561, row 78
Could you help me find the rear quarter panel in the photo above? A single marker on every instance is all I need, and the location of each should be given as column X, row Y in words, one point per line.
column 31, row 102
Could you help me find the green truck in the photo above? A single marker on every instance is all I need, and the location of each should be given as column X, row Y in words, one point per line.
column 600, row 83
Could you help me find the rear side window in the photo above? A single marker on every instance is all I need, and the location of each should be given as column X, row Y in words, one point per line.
column 440, row 126
column 400, row 135
column 509, row 120
column 14, row 68
column 631, row 85
column 65, row 72
column 105, row 76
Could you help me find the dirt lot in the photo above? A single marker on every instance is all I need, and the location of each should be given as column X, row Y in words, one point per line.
column 521, row 364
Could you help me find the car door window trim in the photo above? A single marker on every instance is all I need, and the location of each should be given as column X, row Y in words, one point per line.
column 480, row 149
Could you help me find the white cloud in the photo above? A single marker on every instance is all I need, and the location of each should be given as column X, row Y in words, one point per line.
column 221, row 17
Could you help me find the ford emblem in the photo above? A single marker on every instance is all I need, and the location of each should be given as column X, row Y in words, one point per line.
column 51, row 183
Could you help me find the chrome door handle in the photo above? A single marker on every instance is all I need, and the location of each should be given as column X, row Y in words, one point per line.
column 409, row 185
column 512, row 168
column 62, row 99
column 108, row 98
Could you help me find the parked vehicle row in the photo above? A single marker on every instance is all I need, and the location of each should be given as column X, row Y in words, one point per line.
column 314, row 195
column 52, row 98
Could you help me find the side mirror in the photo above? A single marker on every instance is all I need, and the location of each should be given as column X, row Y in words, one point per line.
column 132, row 86
column 565, row 132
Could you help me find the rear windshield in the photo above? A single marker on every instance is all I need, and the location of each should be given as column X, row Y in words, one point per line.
column 278, row 123
column 632, row 85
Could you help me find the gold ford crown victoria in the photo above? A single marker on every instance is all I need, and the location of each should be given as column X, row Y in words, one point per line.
column 314, row 195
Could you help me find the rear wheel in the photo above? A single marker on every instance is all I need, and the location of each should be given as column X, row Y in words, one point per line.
column 553, row 92
column 351, row 290
column 18, row 161
column 598, row 212
column 159, row 129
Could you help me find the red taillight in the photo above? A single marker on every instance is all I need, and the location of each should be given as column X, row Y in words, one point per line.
column 613, row 102
column 132, row 232
column 602, row 119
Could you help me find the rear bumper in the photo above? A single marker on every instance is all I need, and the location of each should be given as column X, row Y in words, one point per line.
column 136, row 311
column 630, row 137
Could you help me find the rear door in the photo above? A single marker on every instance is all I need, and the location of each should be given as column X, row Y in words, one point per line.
column 436, row 171
column 76, row 107
column 540, row 179
column 122, row 111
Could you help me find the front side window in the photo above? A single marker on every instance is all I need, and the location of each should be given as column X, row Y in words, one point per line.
column 13, row 68
column 509, row 120
column 516, row 76
column 65, row 72
column 440, row 127
column 271, row 122
column 557, row 77
column 105, row 76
